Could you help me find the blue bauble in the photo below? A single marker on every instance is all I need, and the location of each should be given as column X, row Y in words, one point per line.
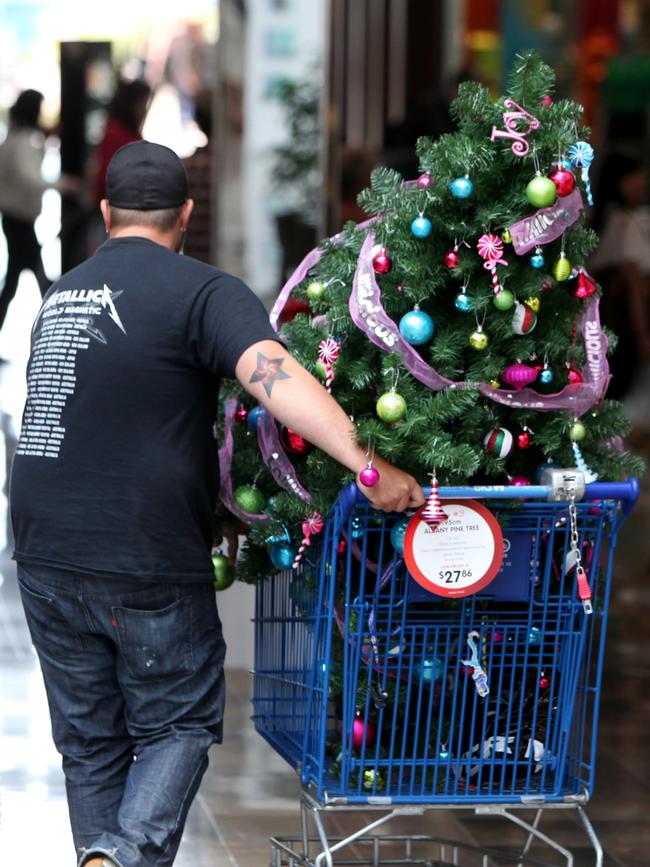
column 549, row 465
column 421, row 227
column 537, row 260
column 462, row 188
column 546, row 375
column 356, row 528
column 253, row 418
column 431, row 670
column 282, row 555
column 397, row 534
column 416, row 327
column 534, row 635
column 463, row 302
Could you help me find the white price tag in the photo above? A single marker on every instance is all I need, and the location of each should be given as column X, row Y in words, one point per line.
column 458, row 557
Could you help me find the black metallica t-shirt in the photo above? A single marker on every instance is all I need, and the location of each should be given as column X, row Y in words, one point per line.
column 116, row 467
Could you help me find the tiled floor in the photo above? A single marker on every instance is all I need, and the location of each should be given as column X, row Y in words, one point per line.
column 249, row 794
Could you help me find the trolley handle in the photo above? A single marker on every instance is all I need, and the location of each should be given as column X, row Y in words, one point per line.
column 627, row 491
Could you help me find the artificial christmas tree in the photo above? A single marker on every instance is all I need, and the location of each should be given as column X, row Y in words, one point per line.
column 458, row 319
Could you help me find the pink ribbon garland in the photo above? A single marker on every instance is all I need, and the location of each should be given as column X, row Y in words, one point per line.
column 225, row 469
column 275, row 457
column 546, row 224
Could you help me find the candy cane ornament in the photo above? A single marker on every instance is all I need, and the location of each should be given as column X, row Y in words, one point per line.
column 312, row 525
column 328, row 352
column 490, row 248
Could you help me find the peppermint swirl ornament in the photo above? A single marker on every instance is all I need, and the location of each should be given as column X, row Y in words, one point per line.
column 328, row 352
column 490, row 247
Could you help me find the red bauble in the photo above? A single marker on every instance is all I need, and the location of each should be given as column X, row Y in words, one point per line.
column 382, row 263
column 292, row 308
column 544, row 683
column 342, row 545
column 241, row 415
column 564, row 181
column 546, row 101
column 424, row 181
column 523, row 439
column 583, row 286
column 452, row 259
column 574, row 376
column 519, row 481
column 294, row 443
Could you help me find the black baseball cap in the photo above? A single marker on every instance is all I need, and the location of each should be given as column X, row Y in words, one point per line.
column 144, row 176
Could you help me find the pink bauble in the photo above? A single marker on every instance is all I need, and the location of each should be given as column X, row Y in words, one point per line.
column 574, row 376
column 519, row 481
column 546, row 101
column 452, row 259
column 369, row 477
column 424, row 181
column 382, row 263
column 564, row 181
column 362, row 733
column 241, row 415
column 519, row 375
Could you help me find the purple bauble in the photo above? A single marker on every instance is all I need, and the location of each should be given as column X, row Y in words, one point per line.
column 424, row 181
column 369, row 477
column 519, row 375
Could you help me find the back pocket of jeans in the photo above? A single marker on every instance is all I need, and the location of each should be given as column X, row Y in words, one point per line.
column 156, row 644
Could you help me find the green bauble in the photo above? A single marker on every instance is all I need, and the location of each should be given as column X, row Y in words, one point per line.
column 316, row 289
column 224, row 573
column 578, row 431
column 320, row 370
column 504, row 299
column 478, row 339
column 541, row 192
column 391, row 406
column 249, row 499
column 562, row 269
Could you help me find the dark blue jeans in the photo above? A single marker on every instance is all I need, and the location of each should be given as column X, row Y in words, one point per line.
column 134, row 680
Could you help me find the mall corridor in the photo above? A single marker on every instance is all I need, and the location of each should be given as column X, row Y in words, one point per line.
column 249, row 793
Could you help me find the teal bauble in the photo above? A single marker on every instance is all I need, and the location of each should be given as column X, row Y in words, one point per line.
column 463, row 302
column 463, row 188
column 249, row 499
column 224, row 573
column 430, row 670
column 397, row 534
column 503, row 300
column 416, row 327
column 282, row 555
column 421, row 227
column 391, row 407
column 253, row 418
column 537, row 259
column 541, row 191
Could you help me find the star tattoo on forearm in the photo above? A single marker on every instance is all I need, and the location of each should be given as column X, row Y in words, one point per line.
column 268, row 371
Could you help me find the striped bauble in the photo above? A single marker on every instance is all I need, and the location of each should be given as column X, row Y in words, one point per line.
column 498, row 442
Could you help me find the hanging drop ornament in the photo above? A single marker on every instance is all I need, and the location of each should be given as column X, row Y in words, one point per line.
column 503, row 300
column 381, row 262
column 524, row 319
column 433, row 514
column 478, row 339
column 537, row 259
column 524, row 438
column 498, row 443
column 564, row 181
column 581, row 155
column 416, row 327
column 589, row 475
column 391, row 406
column 519, row 375
column 462, row 188
column 452, row 258
column 582, row 285
column 328, row 352
column 562, row 268
column 421, row 226
column 541, row 191
column 311, row 525
column 512, row 120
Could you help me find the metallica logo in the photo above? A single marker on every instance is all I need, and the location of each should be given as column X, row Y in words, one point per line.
column 84, row 301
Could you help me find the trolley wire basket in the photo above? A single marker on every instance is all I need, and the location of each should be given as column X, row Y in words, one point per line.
column 369, row 688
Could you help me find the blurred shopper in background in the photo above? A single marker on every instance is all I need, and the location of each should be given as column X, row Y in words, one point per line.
column 126, row 115
column 622, row 266
column 21, row 189
column 198, row 167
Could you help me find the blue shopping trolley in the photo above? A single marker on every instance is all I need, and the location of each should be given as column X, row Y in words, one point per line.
column 384, row 697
